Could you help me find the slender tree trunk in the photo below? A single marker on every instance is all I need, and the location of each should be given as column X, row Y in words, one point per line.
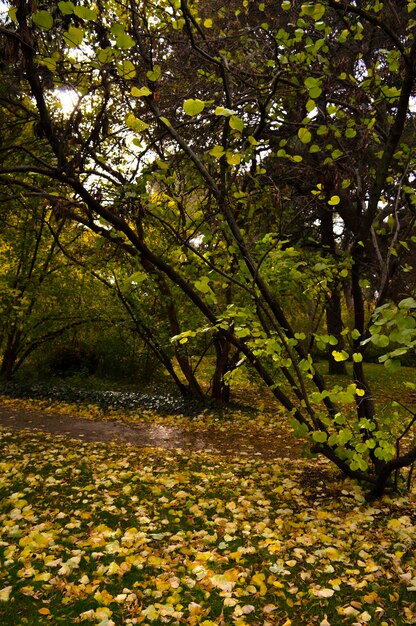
column 181, row 357
column 220, row 389
column 334, row 327
column 333, row 302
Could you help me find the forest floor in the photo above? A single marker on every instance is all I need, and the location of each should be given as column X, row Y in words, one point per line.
column 16, row 415
column 119, row 516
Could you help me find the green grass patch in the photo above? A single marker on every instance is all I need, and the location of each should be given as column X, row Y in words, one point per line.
column 109, row 535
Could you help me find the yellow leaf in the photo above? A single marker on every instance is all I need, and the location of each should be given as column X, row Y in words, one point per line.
column 371, row 597
column 258, row 580
column 113, row 568
column 139, row 93
column 323, row 593
column 103, row 613
column 233, row 159
column 103, row 597
column 223, row 581
column 339, row 356
column 5, row 594
column 334, row 200
column 44, row 576
column 274, row 546
column 44, row 611
column 332, row 553
column 394, row 523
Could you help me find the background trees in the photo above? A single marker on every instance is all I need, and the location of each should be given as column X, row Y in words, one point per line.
column 255, row 158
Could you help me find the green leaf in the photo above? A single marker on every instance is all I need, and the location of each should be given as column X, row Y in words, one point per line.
column 193, row 107
column 304, row 135
column 217, row 151
column 223, row 111
column 392, row 365
column 43, row 19
column 126, row 69
column 313, row 10
column 407, row 303
column 357, row 357
column 312, row 82
column 85, row 13
column 310, row 105
column 344, row 436
column 319, row 436
column 299, row 429
column 381, row 341
column 315, row 92
column 73, row 37
column 203, row 285
column 105, row 55
column 66, row 8
column 48, row 62
column 237, row 123
column 117, row 29
column 124, row 41
column 137, row 277
column 154, row 74
column 350, row 133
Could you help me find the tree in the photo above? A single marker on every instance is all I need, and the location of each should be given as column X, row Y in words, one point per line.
column 39, row 302
column 210, row 94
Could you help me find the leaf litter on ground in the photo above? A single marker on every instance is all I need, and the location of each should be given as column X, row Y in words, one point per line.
column 259, row 428
column 107, row 534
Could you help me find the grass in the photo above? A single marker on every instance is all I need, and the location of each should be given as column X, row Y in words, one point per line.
column 110, row 535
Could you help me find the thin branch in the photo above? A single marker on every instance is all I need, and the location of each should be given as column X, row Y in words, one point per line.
column 372, row 19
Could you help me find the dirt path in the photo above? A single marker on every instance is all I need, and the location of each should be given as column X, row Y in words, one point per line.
column 148, row 435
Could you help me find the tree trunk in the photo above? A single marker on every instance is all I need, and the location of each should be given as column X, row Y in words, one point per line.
column 181, row 356
column 8, row 363
column 220, row 389
column 334, row 327
column 333, row 302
